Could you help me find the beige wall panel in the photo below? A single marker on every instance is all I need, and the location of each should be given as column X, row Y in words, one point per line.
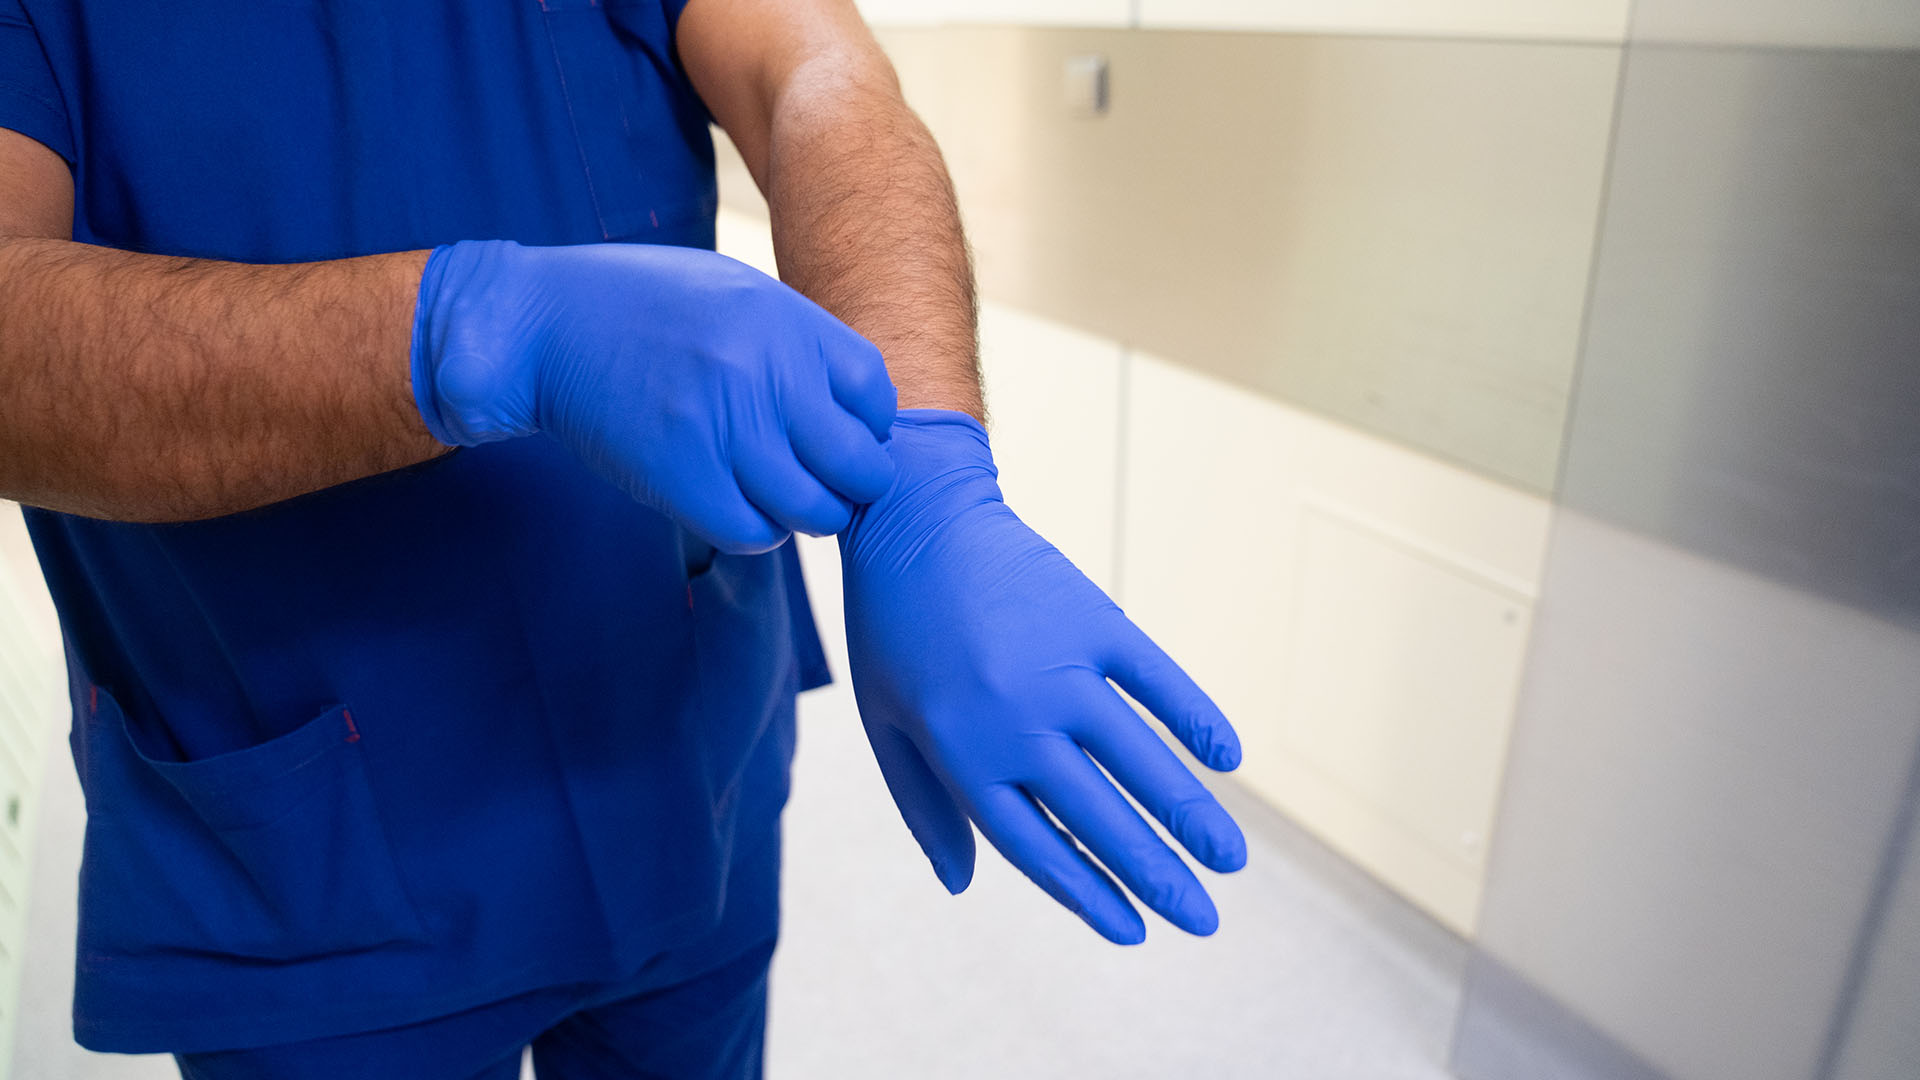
column 1007, row 12
column 1053, row 395
column 1567, row 20
column 1359, row 610
column 1394, row 233
column 745, row 237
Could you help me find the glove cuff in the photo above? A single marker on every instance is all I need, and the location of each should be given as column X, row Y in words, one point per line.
column 467, row 381
column 424, row 398
column 953, row 432
column 943, row 467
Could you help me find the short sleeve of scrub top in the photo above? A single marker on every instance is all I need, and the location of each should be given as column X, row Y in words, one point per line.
column 29, row 98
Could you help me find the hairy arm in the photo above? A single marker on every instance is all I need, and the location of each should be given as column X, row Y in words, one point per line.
column 864, row 220
column 150, row 388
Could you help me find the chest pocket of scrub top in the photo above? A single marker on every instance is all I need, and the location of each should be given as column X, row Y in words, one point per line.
column 274, row 852
column 621, row 84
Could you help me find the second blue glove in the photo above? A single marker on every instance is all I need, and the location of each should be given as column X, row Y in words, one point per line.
column 981, row 659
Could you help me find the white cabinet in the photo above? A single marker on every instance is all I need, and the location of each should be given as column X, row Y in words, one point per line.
column 1359, row 610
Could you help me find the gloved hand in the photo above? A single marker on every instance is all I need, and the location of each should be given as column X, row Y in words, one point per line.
column 700, row 386
column 980, row 660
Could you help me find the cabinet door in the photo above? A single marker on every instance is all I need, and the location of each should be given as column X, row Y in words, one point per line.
column 1359, row 610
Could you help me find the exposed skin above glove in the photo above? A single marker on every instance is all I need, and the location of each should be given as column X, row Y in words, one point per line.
column 980, row 660
column 697, row 384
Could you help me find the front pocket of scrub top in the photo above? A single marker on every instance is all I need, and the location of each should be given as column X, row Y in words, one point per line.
column 273, row 853
column 743, row 642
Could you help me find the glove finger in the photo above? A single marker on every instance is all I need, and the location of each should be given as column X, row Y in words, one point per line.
column 936, row 823
column 836, row 446
column 719, row 514
column 792, row 497
column 857, row 374
column 1101, row 818
column 1154, row 775
column 1016, row 825
column 1146, row 672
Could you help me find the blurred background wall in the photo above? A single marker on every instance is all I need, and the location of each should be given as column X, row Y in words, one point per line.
column 1307, row 283
column 1282, row 307
column 1705, row 865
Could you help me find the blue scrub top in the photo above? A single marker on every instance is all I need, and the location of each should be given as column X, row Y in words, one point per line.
column 443, row 735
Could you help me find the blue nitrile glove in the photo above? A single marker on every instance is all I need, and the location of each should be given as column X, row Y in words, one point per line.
column 697, row 384
column 980, row 660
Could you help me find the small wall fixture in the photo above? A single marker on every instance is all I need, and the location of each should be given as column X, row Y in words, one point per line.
column 1086, row 84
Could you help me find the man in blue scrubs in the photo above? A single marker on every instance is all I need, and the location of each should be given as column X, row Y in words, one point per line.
column 412, row 480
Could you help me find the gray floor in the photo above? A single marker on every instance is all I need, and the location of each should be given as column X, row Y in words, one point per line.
column 1315, row 973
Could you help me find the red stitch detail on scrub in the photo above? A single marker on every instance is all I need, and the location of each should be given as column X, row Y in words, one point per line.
column 653, row 217
column 689, row 597
column 93, row 697
column 353, row 733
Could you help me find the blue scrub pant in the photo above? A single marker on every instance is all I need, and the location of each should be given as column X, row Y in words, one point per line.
column 692, row 1013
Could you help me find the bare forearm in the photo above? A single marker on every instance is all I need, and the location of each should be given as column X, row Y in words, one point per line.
column 148, row 388
column 864, row 223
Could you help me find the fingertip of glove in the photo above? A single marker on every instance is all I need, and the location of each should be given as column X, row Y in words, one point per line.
column 954, row 879
column 1216, row 840
column 1122, row 927
column 1226, row 754
column 1231, row 854
column 1202, row 923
